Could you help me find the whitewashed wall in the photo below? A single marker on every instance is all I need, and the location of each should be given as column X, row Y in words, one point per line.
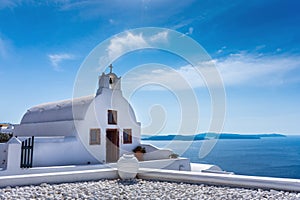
column 59, row 128
column 60, row 151
column 96, row 117
column 3, row 155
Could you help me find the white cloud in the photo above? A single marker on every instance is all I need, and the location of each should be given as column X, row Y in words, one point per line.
column 154, row 75
column 259, row 47
column 119, row 45
column 11, row 4
column 221, row 50
column 253, row 69
column 235, row 70
column 190, row 31
column 112, row 22
column 8, row 4
column 160, row 37
column 56, row 59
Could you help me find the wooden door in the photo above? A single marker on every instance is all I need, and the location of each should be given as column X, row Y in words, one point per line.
column 112, row 145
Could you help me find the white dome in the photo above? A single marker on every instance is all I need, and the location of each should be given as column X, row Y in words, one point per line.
column 66, row 110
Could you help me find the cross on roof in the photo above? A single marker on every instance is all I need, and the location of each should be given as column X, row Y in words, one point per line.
column 110, row 66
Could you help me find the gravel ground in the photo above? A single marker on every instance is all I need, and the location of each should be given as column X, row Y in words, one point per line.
column 138, row 189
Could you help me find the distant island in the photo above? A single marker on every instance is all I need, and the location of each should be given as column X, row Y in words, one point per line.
column 207, row 136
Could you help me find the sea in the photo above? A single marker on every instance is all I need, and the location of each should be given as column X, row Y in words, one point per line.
column 272, row 157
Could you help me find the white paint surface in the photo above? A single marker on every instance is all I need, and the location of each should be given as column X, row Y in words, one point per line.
column 221, row 179
column 13, row 154
column 3, row 155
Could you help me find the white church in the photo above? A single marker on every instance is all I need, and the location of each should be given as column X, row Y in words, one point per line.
column 87, row 130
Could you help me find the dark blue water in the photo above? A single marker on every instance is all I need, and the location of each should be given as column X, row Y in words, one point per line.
column 274, row 157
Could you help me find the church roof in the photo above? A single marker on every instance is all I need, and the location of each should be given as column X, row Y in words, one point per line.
column 66, row 110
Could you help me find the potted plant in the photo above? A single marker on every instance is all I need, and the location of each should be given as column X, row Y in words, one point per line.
column 4, row 137
column 139, row 152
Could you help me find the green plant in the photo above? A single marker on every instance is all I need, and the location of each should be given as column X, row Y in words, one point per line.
column 139, row 149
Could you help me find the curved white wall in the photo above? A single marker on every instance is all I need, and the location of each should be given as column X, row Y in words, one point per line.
column 46, row 129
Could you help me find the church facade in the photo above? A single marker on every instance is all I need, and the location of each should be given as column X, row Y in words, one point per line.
column 86, row 130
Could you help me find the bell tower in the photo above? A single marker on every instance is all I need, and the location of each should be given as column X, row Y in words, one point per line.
column 109, row 81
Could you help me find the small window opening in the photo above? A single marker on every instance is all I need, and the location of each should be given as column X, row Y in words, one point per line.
column 94, row 136
column 127, row 136
column 112, row 116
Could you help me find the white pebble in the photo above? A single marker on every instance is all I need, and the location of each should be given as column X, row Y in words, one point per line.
column 138, row 189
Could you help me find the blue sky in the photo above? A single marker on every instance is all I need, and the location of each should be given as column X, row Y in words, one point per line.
column 253, row 44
